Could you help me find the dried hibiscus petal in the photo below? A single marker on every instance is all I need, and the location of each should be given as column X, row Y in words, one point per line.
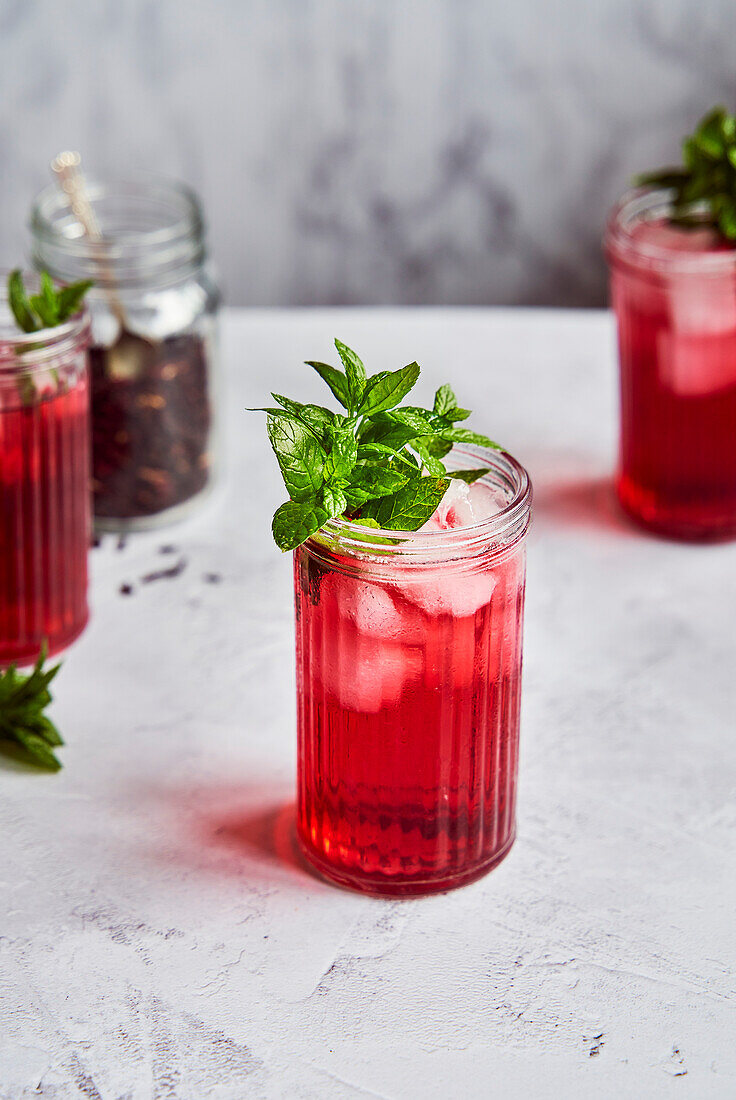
column 151, row 429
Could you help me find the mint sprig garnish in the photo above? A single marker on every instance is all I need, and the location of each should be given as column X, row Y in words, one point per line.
column 376, row 463
column 25, row 731
column 704, row 188
column 52, row 306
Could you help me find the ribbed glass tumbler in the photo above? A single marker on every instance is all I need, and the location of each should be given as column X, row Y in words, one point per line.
column 409, row 655
column 44, row 486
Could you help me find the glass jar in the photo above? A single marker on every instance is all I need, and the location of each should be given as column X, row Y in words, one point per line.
column 153, row 360
column 674, row 293
column 408, row 655
column 44, row 486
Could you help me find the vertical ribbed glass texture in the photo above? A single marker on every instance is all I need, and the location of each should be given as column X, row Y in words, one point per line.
column 44, row 487
column 409, row 662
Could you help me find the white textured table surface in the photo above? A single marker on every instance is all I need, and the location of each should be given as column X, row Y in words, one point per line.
column 159, row 938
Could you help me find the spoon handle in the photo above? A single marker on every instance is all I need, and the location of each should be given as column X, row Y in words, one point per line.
column 66, row 169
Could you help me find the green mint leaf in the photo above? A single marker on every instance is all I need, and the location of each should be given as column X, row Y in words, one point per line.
column 465, row 435
column 432, row 465
column 457, row 414
column 727, row 222
column 46, row 312
column 25, row 732
column 70, row 298
column 19, row 303
column 369, row 483
column 337, row 381
column 46, row 729
column 295, row 521
column 416, row 419
column 469, row 476
column 665, row 177
column 369, row 461
column 316, row 418
column 375, row 452
column 342, row 451
column 355, row 372
column 444, row 400
column 704, row 188
column 385, row 390
column 410, row 507
column 299, row 455
column 367, row 522
column 334, row 500
column 378, row 455
column 51, row 306
column 436, row 446
column 709, row 136
column 37, row 751
column 48, row 293
column 387, row 431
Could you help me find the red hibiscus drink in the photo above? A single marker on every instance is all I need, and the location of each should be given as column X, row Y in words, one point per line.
column 674, row 293
column 44, row 487
column 409, row 654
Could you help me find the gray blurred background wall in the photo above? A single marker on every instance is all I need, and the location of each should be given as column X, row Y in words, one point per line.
column 369, row 151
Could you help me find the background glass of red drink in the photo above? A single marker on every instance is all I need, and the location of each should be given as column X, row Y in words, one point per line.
column 674, row 293
column 409, row 653
column 44, row 486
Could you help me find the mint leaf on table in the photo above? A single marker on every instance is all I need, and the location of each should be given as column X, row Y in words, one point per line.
column 377, row 462
column 704, row 187
column 25, row 731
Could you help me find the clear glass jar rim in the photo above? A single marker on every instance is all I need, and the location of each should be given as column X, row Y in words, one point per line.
column 155, row 232
column 19, row 351
column 619, row 244
column 51, row 200
column 495, row 534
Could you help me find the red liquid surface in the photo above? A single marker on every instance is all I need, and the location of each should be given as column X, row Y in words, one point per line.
column 44, row 536
column 408, row 716
column 677, row 346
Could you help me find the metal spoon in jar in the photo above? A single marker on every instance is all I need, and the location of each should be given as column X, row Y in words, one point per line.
column 127, row 356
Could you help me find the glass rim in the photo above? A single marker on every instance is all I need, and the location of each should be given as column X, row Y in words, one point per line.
column 493, row 535
column 19, row 350
column 634, row 206
column 51, row 199
column 129, row 258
